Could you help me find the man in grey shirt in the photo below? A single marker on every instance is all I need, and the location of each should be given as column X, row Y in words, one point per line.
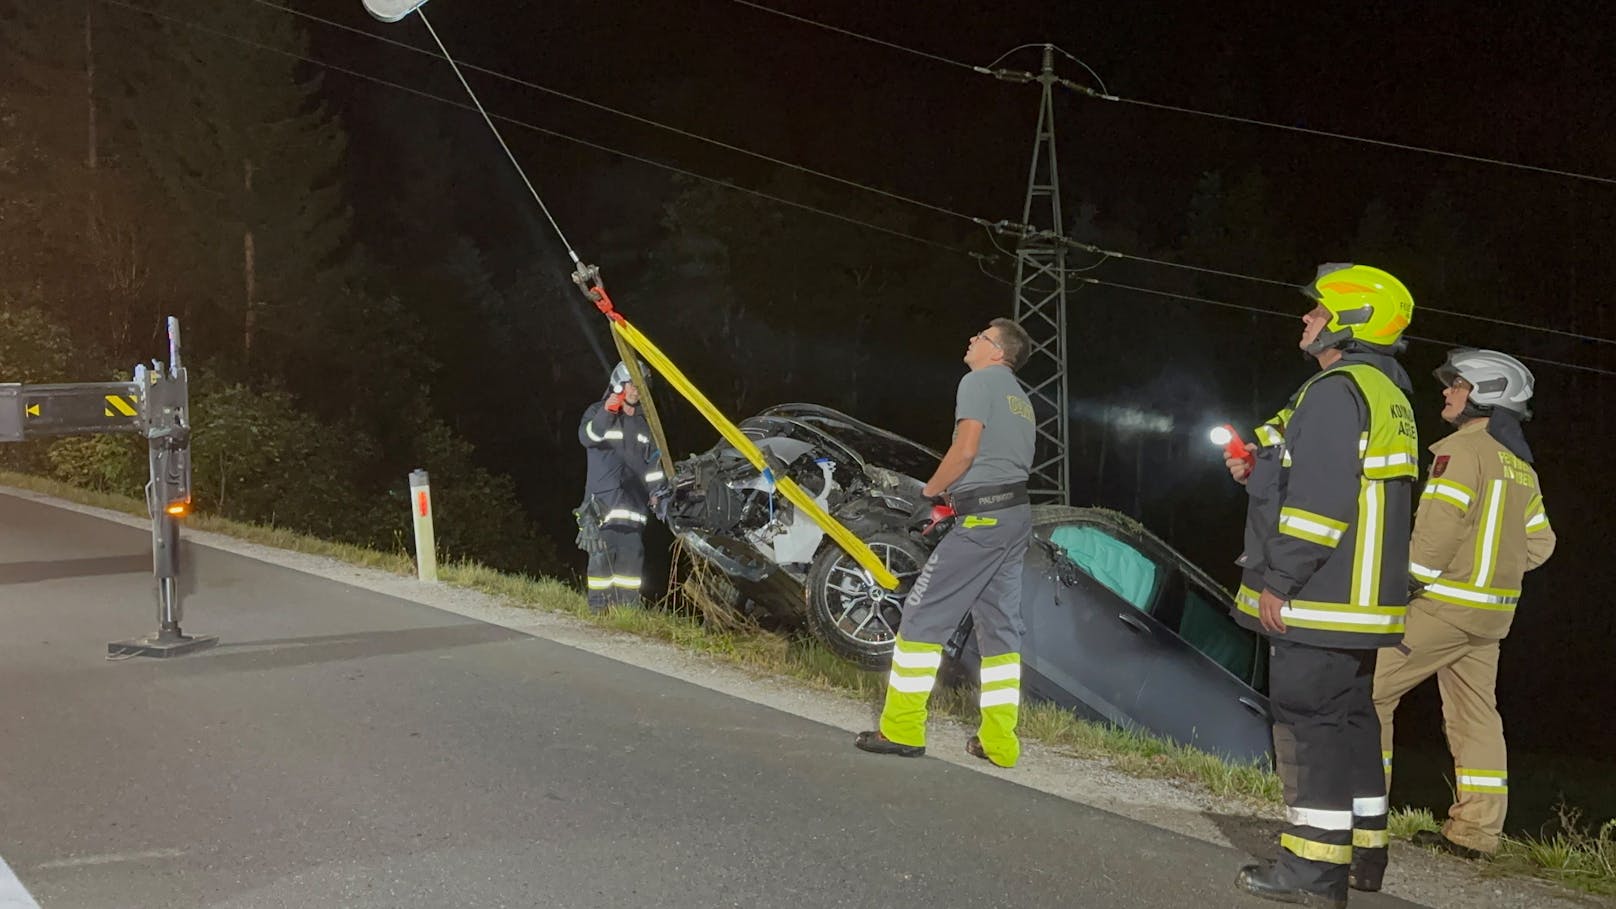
column 977, row 566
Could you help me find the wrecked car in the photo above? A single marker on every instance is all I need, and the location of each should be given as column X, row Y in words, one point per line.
column 1119, row 626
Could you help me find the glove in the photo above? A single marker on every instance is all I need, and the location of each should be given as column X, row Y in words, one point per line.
column 614, row 403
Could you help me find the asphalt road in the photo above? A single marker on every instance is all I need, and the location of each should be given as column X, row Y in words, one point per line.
column 346, row 749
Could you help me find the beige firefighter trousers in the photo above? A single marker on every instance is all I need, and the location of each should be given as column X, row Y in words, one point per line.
column 1466, row 669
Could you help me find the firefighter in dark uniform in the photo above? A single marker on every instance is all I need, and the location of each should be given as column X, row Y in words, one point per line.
column 976, row 569
column 1325, row 577
column 623, row 472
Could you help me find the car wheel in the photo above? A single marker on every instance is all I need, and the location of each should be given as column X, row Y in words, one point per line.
column 853, row 615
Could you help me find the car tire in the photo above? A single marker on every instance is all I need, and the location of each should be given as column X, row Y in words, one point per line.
column 843, row 611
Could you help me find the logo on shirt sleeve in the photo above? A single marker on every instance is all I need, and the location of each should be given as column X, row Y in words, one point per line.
column 1439, row 466
column 1020, row 407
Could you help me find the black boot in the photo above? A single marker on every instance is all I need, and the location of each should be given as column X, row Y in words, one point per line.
column 1365, row 877
column 1264, row 881
column 1431, row 838
column 876, row 743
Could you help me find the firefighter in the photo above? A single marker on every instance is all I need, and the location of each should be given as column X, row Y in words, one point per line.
column 1327, row 528
column 623, row 472
column 976, row 568
column 1479, row 528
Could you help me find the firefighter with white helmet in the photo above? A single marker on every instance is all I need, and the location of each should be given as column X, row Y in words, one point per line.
column 623, row 471
column 1481, row 525
column 1331, row 498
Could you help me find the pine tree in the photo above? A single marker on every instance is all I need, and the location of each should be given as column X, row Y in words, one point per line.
column 248, row 155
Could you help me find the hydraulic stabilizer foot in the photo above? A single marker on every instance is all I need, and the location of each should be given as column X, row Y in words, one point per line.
column 164, row 643
column 169, row 641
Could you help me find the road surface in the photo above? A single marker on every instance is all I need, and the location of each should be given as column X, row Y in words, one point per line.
column 343, row 748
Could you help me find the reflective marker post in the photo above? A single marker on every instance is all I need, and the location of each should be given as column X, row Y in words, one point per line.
column 426, row 554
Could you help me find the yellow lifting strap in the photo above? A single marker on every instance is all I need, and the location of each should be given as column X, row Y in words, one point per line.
column 623, row 332
column 626, row 354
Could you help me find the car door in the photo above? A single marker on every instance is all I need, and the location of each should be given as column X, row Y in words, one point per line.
column 1208, row 678
column 1089, row 643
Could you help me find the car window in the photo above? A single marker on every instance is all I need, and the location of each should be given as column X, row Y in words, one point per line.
column 1207, row 626
column 1124, row 570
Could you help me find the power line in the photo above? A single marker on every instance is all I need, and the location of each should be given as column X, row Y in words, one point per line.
column 1291, row 315
column 854, row 184
column 852, row 34
column 526, row 125
column 1480, row 159
column 1106, row 96
column 1594, row 339
column 1104, row 253
column 516, row 80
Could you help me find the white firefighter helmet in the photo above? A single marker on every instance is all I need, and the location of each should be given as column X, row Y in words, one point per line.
column 622, row 377
column 1496, row 379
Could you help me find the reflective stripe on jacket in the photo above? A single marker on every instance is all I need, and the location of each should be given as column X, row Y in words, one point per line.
column 1327, row 527
column 1481, row 526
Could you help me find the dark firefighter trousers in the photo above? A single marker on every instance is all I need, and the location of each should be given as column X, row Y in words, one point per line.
column 616, row 567
column 1327, row 751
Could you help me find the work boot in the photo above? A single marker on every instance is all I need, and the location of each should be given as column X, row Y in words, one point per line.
column 876, row 743
column 1362, row 876
column 1263, row 880
column 1435, row 840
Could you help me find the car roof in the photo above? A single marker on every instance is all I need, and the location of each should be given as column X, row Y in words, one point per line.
column 859, row 436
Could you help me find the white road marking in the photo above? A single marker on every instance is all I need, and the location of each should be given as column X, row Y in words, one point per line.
column 13, row 895
column 111, row 858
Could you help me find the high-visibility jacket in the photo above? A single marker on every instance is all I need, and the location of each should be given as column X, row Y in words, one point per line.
column 623, row 465
column 1481, row 526
column 1331, row 493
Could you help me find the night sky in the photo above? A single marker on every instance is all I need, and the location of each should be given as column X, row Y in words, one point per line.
column 1528, row 83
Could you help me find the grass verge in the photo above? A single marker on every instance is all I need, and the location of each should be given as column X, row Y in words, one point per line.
column 1572, row 854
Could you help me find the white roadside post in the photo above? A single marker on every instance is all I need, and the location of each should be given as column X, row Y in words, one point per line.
column 426, row 553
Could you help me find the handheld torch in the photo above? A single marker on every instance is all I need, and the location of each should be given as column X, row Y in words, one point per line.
column 1233, row 445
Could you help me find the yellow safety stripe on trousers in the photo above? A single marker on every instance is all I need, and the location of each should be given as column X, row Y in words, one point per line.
column 1001, row 708
column 1386, row 761
column 914, row 666
column 1314, row 528
column 1487, row 781
column 626, row 582
column 1366, row 554
column 1001, row 680
column 857, row 548
column 1314, row 851
column 1489, row 534
column 1371, row 839
column 1330, row 616
column 1500, row 599
column 599, row 583
column 914, row 669
column 1456, row 494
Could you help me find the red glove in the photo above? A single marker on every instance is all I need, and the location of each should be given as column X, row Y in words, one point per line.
column 614, row 403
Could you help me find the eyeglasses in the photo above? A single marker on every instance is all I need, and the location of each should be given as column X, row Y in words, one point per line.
column 979, row 336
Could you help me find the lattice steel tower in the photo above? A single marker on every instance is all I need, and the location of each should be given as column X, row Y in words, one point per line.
column 1041, row 302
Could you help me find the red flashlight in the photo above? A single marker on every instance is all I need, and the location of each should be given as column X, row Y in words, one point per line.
column 1233, row 445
